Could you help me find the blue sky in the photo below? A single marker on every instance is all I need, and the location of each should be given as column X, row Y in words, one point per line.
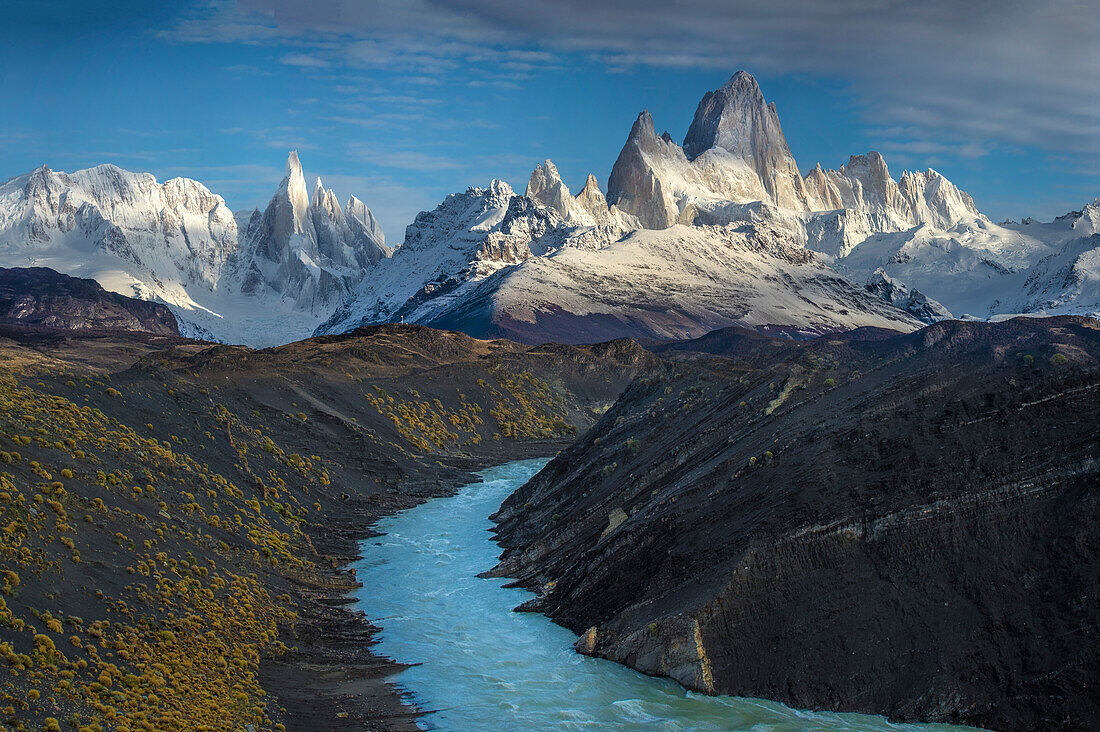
column 401, row 103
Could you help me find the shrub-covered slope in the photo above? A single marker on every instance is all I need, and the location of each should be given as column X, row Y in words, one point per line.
column 894, row 524
column 175, row 516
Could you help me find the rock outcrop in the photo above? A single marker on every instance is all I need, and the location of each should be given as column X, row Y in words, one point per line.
column 547, row 187
column 652, row 176
column 39, row 296
column 914, row 302
column 737, row 119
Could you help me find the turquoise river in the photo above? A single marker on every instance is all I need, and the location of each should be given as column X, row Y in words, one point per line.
column 483, row 667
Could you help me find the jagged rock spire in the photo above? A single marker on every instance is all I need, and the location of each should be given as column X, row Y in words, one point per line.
column 736, row 118
column 547, row 187
column 307, row 249
column 635, row 185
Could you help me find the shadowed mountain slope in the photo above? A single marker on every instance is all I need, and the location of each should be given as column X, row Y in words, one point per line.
column 40, row 296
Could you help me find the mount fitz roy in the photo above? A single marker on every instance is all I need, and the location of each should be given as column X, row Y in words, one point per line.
column 735, row 153
column 261, row 278
column 723, row 230
column 720, row 230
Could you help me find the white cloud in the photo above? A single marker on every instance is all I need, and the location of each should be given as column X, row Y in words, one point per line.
column 304, row 60
column 1011, row 71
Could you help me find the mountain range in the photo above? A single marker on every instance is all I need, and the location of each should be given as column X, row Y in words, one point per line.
column 254, row 277
column 720, row 230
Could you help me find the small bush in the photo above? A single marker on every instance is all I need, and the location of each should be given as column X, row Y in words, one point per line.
column 113, row 392
column 830, row 383
column 66, row 473
column 1059, row 359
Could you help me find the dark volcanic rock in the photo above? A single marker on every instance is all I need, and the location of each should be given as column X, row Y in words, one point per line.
column 902, row 525
column 40, row 296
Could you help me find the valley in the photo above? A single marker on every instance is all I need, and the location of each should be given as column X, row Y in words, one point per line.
column 178, row 517
column 684, row 434
column 867, row 522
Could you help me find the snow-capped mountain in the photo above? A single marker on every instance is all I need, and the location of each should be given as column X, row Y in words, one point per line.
column 979, row 269
column 177, row 243
column 1067, row 279
column 920, row 231
column 466, row 239
column 492, row 263
column 722, row 229
column 177, row 228
column 735, row 153
column 308, row 250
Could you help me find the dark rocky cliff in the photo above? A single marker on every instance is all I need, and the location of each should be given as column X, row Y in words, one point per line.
column 901, row 525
